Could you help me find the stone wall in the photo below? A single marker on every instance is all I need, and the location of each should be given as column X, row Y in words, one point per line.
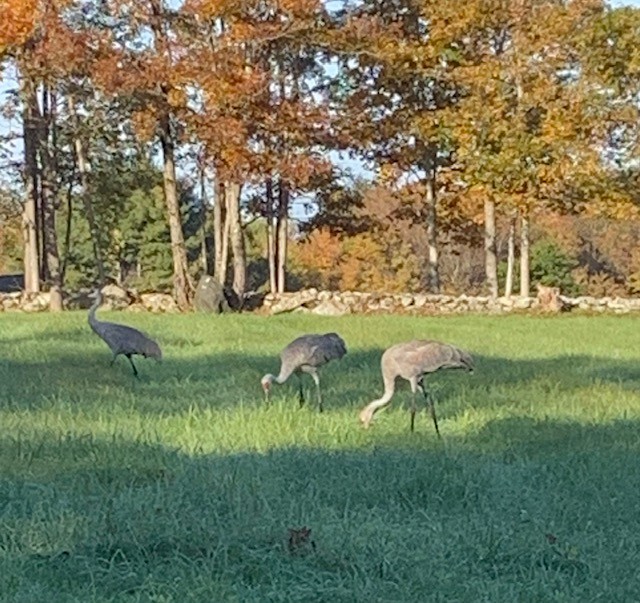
column 115, row 298
column 334, row 303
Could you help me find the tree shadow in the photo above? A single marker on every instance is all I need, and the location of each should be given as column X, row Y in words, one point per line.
column 224, row 380
column 93, row 518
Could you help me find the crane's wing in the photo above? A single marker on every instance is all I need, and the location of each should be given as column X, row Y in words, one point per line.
column 429, row 356
column 313, row 350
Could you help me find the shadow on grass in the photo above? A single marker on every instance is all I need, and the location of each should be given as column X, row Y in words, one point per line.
column 100, row 519
column 224, row 380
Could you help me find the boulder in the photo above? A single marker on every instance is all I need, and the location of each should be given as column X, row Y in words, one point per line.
column 209, row 296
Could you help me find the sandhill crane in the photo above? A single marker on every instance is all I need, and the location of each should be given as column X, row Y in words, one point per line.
column 122, row 339
column 413, row 360
column 306, row 354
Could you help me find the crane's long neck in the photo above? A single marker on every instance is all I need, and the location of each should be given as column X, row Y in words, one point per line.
column 368, row 411
column 284, row 374
column 389, row 388
column 93, row 321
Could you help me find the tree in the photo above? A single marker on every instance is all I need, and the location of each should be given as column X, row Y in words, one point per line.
column 46, row 51
column 396, row 85
column 522, row 125
column 148, row 73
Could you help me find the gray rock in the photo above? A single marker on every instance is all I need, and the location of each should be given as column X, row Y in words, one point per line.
column 209, row 296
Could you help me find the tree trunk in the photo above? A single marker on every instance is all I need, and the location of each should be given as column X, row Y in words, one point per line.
column 511, row 256
column 81, row 159
column 490, row 259
column 203, row 235
column 236, row 238
column 432, row 232
column 282, row 235
column 30, row 211
column 525, row 288
column 221, row 227
column 271, row 239
column 51, row 253
column 182, row 285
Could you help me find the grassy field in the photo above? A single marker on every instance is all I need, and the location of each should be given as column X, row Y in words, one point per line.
column 182, row 486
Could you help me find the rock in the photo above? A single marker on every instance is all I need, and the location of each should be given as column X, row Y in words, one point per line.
column 209, row 296
column 159, row 302
column 11, row 301
column 523, row 303
column 406, row 301
column 386, row 303
column 331, row 308
column 549, row 299
column 36, row 303
column 115, row 297
column 419, row 300
column 290, row 301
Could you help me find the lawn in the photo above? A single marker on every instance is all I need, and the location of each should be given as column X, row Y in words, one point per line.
column 183, row 486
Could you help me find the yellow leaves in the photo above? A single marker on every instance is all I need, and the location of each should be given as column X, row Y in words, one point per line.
column 145, row 123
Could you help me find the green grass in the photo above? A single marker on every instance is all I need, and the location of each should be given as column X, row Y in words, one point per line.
column 182, row 486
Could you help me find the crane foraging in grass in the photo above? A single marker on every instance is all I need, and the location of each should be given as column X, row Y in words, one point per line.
column 122, row 339
column 413, row 360
column 306, row 354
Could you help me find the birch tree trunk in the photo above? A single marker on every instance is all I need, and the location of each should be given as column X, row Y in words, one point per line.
column 182, row 285
column 525, row 286
column 51, row 254
column 236, row 239
column 490, row 259
column 203, row 233
column 432, row 232
column 511, row 256
column 271, row 239
column 282, row 235
column 221, row 227
column 30, row 210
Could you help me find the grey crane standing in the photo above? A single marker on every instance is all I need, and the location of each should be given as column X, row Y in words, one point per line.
column 122, row 339
column 306, row 354
column 413, row 360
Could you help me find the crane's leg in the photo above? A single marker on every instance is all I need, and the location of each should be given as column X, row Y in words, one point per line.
column 432, row 408
column 300, row 390
column 413, row 408
column 133, row 366
column 316, row 378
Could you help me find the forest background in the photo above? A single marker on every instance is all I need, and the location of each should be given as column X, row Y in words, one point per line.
column 396, row 145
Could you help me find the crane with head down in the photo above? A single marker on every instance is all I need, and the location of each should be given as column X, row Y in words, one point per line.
column 413, row 360
column 306, row 354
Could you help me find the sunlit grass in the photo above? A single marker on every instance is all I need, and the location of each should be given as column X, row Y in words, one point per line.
column 182, row 486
